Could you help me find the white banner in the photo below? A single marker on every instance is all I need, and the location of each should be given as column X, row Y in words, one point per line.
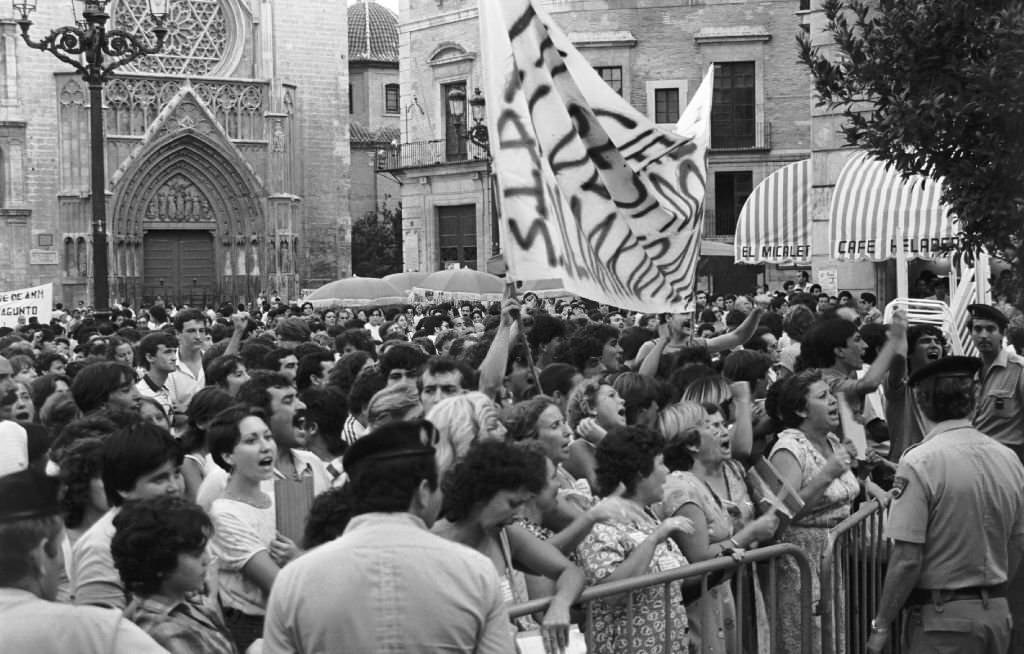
column 592, row 191
column 17, row 306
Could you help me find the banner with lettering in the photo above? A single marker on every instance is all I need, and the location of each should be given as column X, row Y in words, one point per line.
column 17, row 306
column 592, row 191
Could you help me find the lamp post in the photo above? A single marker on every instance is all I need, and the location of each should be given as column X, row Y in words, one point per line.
column 478, row 135
column 95, row 52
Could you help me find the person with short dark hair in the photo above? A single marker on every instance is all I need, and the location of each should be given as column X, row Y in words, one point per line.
column 51, row 363
column 250, row 550
column 158, row 353
column 105, row 384
column 31, row 535
column 558, row 380
column 138, row 461
column 313, row 370
column 283, row 362
column 957, row 522
column 354, row 339
column 402, row 364
column 159, row 549
column 1000, row 410
column 326, row 410
column 393, row 498
column 364, row 387
column 443, row 377
column 228, row 372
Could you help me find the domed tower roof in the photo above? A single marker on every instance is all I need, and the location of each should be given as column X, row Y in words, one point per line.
column 372, row 33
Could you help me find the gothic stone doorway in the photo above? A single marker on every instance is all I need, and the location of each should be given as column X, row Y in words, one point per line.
column 179, row 267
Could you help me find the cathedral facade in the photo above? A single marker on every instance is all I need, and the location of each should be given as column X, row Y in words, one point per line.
column 227, row 155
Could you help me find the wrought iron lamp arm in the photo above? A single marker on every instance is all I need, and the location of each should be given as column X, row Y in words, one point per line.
column 125, row 48
column 67, row 43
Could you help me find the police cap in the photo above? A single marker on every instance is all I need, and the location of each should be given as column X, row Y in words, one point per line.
column 988, row 312
column 947, row 367
column 28, row 493
column 391, row 441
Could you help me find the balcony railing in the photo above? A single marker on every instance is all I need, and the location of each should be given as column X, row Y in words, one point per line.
column 424, row 154
column 761, row 139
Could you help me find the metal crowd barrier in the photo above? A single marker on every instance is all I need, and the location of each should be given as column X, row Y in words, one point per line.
column 852, row 575
column 750, row 563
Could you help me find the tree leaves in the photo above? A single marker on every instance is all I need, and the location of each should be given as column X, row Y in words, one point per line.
column 946, row 79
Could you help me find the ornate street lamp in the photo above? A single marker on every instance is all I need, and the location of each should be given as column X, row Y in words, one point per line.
column 478, row 135
column 95, row 52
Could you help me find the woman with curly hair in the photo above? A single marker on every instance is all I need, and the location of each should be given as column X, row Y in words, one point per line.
column 82, row 497
column 593, row 409
column 629, row 460
column 120, row 350
column 484, row 491
column 159, row 550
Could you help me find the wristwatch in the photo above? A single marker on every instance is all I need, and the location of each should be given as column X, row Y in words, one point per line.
column 875, row 626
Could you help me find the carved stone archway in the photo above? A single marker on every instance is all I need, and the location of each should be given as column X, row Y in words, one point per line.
column 182, row 182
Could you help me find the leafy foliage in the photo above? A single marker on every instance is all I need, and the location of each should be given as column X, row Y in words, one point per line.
column 377, row 242
column 936, row 87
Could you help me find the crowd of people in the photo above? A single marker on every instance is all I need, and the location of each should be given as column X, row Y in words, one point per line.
column 281, row 478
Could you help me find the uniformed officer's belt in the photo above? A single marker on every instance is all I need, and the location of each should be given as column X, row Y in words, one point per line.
column 929, row 596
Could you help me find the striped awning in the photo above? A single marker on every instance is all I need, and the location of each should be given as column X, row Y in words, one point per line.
column 774, row 225
column 872, row 201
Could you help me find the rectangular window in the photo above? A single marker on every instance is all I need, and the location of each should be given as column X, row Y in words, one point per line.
column 731, row 191
column 733, row 106
column 351, row 109
column 391, row 101
column 666, row 105
column 612, row 75
column 456, row 235
column 454, row 143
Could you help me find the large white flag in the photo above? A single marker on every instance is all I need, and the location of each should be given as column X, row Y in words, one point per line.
column 592, row 191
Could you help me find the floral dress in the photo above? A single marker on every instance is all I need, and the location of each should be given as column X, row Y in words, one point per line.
column 607, row 546
column 712, row 616
column 810, row 532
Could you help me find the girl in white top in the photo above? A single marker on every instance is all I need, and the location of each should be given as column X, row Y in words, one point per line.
column 248, row 550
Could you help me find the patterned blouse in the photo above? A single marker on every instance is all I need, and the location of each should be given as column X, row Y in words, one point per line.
column 835, row 504
column 187, row 627
column 607, row 546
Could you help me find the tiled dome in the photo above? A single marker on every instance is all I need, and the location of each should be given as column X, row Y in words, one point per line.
column 383, row 33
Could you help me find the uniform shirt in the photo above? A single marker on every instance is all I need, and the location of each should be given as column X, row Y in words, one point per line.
column 388, row 585
column 96, row 580
column 1000, row 408
column 963, row 499
column 31, row 624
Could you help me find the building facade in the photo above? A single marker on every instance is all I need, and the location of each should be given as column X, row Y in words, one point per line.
column 375, row 105
column 226, row 154
column 655, row 55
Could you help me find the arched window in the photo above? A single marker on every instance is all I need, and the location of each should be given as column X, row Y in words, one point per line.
column 70, row 257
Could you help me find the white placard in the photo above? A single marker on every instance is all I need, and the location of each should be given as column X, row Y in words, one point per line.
column 20, row 304
column 828, row 280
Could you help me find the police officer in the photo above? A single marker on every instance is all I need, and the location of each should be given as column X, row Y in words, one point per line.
column 1000, row 412
column 31, row 532
column 958, row 525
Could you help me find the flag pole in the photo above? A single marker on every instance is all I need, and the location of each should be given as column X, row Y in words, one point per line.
column 510, row 292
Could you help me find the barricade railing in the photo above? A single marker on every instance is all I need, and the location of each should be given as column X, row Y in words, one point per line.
column 761, row 563
column 852, row 576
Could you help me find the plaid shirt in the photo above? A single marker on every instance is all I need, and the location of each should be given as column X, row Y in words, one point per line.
column 182, row 627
